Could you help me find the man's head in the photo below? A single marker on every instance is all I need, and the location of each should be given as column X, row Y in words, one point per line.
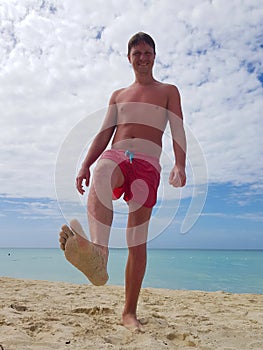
column 140, row 38
column 141, row 53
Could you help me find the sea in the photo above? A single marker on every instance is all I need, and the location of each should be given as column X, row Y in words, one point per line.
column 234, row 271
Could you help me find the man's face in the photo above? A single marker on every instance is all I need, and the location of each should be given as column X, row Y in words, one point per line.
column 142, row 57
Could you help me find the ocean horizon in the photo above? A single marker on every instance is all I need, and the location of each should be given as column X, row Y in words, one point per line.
column 234, row 271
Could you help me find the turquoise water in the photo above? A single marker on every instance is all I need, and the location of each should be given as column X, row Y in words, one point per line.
column 209, row 270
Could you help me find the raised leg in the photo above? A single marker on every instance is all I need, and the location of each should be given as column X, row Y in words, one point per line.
column 87, row 257
column 107, row 175
column 91, row 257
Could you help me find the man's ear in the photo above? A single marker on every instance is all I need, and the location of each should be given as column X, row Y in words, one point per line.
column 129, row 58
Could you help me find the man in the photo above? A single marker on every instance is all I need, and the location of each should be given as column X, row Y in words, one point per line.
column 136, row 119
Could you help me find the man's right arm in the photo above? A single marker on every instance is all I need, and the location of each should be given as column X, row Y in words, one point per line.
column 99, row 144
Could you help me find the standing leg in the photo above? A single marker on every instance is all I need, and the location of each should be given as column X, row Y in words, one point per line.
column 137, row 232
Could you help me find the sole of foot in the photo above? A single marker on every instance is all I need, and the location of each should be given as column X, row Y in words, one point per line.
column 83, row 254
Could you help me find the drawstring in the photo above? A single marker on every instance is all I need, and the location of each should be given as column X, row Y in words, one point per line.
column 130, row 155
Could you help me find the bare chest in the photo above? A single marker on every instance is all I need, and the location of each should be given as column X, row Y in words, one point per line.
column 152, row 95
column 143, row 106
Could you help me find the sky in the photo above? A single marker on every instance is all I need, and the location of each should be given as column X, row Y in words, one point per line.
column 59, row 63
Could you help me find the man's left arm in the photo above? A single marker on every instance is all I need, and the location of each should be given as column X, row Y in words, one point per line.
column 177, row 176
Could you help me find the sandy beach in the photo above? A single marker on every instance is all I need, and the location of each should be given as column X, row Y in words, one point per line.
column 40, row 315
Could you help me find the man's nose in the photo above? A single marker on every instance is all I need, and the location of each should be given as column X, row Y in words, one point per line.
column 143, row 56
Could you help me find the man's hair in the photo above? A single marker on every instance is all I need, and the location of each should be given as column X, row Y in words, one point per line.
column 139, row 38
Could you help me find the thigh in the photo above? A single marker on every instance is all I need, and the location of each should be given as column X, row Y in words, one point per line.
column 108, row 172
column 138, row 214
column 138, row 224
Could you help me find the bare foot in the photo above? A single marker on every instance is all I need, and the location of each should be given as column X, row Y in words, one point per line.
column 87, row 257
column 131, row 322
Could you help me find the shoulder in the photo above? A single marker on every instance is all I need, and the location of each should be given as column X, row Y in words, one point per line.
column 171, row 89
column 115, row 95
column 173, row 94
column 173, row 99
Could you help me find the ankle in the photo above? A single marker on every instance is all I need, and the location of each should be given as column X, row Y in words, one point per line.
column 101, row 247
column 128, row 313
column 104, row 251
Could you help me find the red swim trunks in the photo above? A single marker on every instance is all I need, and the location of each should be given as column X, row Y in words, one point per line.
column 141, row 176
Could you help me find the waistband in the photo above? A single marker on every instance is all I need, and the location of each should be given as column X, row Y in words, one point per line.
column 139, row 155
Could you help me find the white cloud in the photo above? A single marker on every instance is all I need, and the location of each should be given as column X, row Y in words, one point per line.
column 257, row 217
column 60, row 60
column 31, row 209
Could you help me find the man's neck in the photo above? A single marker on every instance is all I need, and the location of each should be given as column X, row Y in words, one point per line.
column 144, row 79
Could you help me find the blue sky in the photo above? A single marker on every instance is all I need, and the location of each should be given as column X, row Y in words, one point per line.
column 61, row 60
column 230, row 220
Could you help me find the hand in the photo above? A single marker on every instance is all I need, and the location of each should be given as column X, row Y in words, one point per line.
column 84, row 174
column 177, row 176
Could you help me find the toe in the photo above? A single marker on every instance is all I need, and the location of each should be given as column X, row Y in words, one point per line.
column 66, row 232
column 76, row 227
column 62, row 240
column 64, row 235
column 62, row 246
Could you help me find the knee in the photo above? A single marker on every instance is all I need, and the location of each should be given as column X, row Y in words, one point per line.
column 138, row 251
column 102, row 173
column 137, row 236
column 138, row 256
column 108, row 173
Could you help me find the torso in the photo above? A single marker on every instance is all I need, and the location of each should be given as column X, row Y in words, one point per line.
column 141, row 118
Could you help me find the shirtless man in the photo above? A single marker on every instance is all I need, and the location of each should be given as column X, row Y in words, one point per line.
column 136, row 119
